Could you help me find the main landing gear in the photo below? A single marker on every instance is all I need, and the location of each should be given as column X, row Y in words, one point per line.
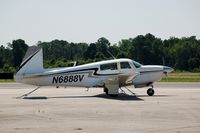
column 150, row 91
column 106, row 91
column 114, row 92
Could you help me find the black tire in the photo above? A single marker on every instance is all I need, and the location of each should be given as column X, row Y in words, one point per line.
column 113, row 95
column 105, row 90
column 150, row 92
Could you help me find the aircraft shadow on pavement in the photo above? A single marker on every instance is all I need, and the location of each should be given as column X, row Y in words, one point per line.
column 122, row 97
column 153, row 96
column 36, row 98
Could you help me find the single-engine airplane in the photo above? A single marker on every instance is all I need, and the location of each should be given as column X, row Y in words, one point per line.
column 109, row 74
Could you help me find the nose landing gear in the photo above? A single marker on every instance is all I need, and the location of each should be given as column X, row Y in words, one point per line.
column 150, row 91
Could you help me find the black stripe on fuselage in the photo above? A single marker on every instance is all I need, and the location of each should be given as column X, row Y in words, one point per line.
column 82, row 70
column 73, row 72
column 28, row 59
column 150, row 71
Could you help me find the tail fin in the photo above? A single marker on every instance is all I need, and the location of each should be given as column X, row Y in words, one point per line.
column 32, row 62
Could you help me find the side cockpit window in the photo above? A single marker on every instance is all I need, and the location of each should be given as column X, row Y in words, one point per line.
column 125, row 65
column 136, row 64
column 110, row 66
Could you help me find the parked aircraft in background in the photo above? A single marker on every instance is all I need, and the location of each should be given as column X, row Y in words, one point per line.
column 109, row 74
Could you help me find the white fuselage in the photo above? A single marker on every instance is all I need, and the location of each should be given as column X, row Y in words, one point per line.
column 148, row 75
column 87, row 75
column 110, row 74
column 90, row 75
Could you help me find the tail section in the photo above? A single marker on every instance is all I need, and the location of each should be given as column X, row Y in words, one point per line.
column 32, row 62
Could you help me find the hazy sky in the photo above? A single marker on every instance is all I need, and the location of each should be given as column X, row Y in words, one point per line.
column 88, row 20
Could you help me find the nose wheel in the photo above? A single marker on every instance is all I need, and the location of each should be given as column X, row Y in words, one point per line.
column 150, row 91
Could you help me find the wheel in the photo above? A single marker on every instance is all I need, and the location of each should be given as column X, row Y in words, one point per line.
column 150, row 91
column 105, row 90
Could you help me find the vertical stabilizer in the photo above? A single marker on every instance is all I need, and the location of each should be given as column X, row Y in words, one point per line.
column 32, row 62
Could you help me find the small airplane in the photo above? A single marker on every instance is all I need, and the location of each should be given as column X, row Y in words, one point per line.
column 109, row 74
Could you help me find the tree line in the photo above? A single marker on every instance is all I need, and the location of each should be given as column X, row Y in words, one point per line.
column 180, row 53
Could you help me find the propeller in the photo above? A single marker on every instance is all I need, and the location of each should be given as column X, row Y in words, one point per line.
column 166, row 75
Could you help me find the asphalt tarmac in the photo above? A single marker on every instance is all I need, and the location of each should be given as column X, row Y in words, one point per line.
column 175, row 108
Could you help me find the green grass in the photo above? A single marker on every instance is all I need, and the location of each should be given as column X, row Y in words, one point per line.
column 6, row 80
column 182, row 77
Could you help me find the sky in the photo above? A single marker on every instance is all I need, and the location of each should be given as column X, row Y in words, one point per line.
column 88, row 20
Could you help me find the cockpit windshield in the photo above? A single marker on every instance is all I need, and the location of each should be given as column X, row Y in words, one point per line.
column 136, row 64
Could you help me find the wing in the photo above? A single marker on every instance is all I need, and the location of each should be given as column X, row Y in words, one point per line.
column 127, row 79
column 121, row 79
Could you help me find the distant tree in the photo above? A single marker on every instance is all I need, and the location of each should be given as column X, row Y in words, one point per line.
column 103, row 41
column 147, row 49
column 6, row 56
column 19, row 48
column 122, row 55
column 142, row 49
column 187, row 54
column 91, row 51
column 102, row 47
column 126, row 48
column 169, row 51
column 194, row 64
column 60, row 49
column 1, row 56
column 114, row 50
column 9, row 69
column 180, row 53
column 1, row 61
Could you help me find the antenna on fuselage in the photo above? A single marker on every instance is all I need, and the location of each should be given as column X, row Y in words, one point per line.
column 74, row 63
column 111, row 54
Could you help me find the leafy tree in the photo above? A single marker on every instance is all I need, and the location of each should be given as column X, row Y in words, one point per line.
column 102, row 46
column 180, row 53
column 126, row 48
column 1, row 56
column 91, row 51
column 146, row 49
column 114, row 50
column 169, row 51
column 19, row 48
